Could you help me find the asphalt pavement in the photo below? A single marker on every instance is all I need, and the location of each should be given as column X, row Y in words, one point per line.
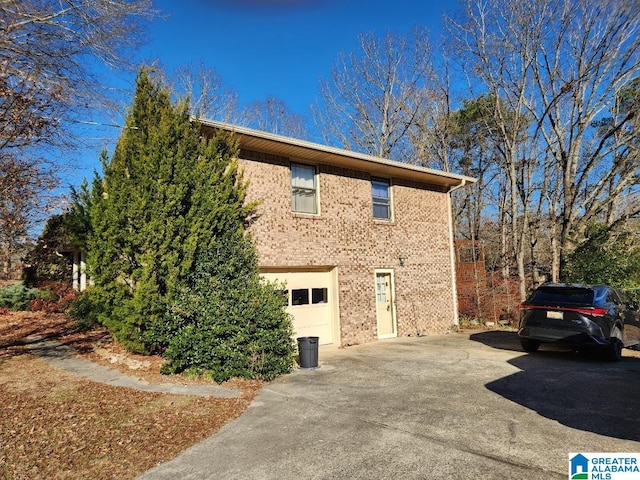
column 457, row 406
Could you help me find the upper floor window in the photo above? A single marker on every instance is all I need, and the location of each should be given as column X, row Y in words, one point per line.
column 304, row 192
column 380, row 190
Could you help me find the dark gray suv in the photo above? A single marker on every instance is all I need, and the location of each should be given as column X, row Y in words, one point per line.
column 579, row 316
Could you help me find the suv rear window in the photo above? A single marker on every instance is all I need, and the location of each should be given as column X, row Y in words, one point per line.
column 562, row 295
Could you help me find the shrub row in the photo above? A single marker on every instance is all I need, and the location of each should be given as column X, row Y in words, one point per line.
column 49, row 296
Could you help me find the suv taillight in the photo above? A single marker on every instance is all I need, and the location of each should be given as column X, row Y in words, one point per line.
column 596, row 312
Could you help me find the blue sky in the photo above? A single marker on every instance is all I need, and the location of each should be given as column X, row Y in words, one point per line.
column 278, row 47
column 265, row 48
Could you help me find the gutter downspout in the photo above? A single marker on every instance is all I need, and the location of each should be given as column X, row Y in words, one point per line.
column 452, row 252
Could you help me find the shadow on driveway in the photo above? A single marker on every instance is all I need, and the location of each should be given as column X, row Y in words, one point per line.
column 577, row 391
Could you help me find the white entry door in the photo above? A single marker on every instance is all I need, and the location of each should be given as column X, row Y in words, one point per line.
column 385, row 304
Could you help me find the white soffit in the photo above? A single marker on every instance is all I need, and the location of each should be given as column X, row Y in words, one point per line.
column 321, row 154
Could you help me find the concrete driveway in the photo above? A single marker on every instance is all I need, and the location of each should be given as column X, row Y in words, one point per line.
column 451, row 406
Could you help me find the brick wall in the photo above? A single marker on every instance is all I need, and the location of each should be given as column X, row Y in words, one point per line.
column 345, row 236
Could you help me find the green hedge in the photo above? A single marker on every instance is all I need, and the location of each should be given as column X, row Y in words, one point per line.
column 226, row 321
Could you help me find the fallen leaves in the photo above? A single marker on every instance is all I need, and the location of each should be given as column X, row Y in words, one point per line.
column 55, row 425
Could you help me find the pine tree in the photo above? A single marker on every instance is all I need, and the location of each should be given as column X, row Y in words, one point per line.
column 166, row 195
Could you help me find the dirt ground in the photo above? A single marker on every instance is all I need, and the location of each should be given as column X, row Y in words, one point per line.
column 55, row 425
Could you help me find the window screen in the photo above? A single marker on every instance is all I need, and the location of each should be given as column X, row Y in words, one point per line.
column 381, row 199
column 303, row 189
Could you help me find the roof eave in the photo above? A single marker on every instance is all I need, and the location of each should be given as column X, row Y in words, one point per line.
column 316, row 153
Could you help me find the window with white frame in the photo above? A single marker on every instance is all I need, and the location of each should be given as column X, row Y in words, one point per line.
column 304, row 192
column 380, row 193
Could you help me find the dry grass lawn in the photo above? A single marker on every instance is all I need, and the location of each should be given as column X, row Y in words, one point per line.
column 55, row 425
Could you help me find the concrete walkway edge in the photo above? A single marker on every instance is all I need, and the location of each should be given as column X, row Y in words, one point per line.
column 65, row 358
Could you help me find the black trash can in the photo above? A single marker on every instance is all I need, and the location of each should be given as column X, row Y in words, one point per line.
column 308, row 350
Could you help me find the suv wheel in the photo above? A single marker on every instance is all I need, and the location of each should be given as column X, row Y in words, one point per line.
column 614, row 350
column 529, row 345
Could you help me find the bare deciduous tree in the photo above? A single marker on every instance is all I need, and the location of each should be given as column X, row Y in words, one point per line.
column 47, row 61
column 374, row 96
column 431, row 134
column 273, row 115
column 53, row 56
column 207, row 94
column 24, row 187
column 204, row 90
column 486, row 55
column 559, row 65
column 210, row 98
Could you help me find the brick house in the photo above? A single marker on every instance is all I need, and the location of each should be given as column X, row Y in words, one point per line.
column 363, row 244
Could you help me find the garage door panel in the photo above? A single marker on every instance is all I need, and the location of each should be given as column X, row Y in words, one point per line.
column 310, row 302
column 312, row 321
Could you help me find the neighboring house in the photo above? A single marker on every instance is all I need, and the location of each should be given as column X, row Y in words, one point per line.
column 363, row 244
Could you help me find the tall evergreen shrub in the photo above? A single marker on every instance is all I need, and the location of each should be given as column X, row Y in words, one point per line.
column 166, row 196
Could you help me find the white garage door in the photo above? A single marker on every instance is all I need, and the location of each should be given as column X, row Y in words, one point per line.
column 311, row 302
